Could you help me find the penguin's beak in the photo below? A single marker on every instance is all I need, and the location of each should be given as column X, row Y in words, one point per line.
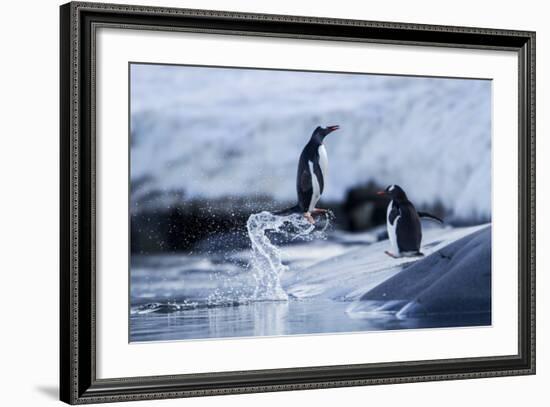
column 332, row 128
column 381, row 193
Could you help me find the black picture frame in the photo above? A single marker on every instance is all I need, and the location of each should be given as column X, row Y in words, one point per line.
column 78, row 381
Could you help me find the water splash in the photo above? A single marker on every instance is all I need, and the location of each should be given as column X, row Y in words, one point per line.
column 227, row 281
column 266, row 259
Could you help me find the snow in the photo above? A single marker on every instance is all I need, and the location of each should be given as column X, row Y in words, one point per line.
column 351, row 275
column 211, row 133
column 454, row 280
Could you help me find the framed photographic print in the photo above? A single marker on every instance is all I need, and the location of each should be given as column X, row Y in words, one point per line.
column 255, row 203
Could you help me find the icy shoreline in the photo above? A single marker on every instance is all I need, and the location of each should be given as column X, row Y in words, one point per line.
column 455, row 279
column 351, row 275
column 331, row 287
column 328, row 270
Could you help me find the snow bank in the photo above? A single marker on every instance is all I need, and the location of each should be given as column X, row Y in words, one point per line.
column 351, row 275
column 455, row 279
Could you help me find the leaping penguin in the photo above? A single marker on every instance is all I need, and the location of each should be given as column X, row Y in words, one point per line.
column 312, row 172
column 311, row 175
column 403, row 223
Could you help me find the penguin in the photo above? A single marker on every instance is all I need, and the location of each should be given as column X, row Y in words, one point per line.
column 312, row 172
column 311, row 175
column 403, row 223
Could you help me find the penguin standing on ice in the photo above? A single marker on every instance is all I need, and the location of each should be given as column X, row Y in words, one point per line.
column 312, row 173
column 403, row 223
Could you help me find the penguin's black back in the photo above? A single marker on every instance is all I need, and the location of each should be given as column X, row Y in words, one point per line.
column 409, row 230
column 304, row 185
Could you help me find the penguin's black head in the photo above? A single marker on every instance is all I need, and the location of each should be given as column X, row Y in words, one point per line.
column 320, row 133
column 394, row 192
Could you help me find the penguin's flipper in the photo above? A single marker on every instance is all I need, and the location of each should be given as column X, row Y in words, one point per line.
column 305, row 182
column 304, row 186
column 426, row 215
column 393, row 213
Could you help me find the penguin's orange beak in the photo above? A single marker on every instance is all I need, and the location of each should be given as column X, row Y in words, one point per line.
column 381, row 193
column 332, row 128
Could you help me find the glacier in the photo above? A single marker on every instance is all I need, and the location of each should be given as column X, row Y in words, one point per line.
column 210, row 133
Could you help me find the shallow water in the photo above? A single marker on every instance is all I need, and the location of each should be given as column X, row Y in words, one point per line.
column 271, row 318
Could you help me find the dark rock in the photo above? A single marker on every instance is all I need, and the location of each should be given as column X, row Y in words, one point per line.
column 363, row 208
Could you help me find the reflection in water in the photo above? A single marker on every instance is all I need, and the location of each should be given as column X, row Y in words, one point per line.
column 269, row 318
column 256, row 319
column 275, row 319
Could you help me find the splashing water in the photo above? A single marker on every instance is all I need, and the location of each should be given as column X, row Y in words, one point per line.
column 266, row 260
column 207, row 284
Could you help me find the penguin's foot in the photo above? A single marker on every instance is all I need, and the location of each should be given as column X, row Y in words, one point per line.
column 319, row 210
column 393, row 256
column 309, row 218
column 412, row 254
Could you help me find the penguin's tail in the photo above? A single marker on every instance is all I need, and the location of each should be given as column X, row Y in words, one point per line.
column 426, row 215
column 287, row 211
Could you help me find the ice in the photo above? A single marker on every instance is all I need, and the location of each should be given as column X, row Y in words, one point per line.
column 318, row 268
column 454, row 280
column 324, row 286
column 350, row 275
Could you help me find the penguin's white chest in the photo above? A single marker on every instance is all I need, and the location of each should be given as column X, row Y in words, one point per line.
column 392, row 229
column 316, row 185
column 323, row 161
